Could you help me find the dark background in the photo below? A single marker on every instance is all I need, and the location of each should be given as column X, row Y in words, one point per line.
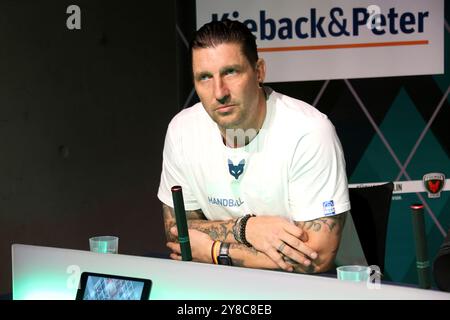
column 83, row 114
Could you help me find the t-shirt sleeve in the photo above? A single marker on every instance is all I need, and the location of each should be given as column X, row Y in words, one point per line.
column 317, row 178
column 174, row 173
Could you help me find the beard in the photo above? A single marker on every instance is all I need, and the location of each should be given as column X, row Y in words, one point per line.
column 230, row 120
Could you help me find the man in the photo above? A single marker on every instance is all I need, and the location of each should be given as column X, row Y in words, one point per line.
column 263, row 174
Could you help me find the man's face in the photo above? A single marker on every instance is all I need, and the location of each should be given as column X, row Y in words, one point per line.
column 227, row 85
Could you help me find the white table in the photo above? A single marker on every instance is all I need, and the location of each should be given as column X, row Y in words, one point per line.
column 53, row 273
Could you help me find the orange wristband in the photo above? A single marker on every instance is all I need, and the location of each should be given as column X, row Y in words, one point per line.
column 216, row 251
column 213, row 252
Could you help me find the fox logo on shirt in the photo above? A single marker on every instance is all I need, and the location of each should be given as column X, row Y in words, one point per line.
column 236, row 171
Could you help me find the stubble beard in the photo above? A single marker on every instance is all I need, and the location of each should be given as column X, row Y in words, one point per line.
column 238, row 117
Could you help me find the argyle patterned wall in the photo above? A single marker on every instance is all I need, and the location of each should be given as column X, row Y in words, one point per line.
column 392, row 129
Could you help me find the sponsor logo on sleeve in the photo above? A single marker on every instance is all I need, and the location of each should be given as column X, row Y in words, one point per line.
column 328, row 208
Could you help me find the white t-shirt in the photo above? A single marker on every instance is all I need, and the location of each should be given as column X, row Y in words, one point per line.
column 294, row 167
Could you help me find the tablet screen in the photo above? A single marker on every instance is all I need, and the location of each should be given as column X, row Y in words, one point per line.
column 95, row 286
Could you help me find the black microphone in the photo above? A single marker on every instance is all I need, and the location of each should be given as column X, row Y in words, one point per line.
column 180, row 216
column 422, row 262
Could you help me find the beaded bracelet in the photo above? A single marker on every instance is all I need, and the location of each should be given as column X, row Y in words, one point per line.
column 237, row 230
column 242, row 229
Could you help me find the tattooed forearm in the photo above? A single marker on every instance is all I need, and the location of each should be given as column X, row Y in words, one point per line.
column 249, row 250
column 324, row 235
column 330, row 224
column 217, row 230
column 244, row 256
column 169, row 222
column 246, row 251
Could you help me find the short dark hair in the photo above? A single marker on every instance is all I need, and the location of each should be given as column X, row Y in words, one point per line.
column 226, row 31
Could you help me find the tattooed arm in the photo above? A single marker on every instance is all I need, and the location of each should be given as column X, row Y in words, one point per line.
column 324, row 235
column 241, row 255
column 202, row 233
column 209, row 231
column 217, row 230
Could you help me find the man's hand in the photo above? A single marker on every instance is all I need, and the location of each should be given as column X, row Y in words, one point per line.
column 279, row 239
column 200, row 246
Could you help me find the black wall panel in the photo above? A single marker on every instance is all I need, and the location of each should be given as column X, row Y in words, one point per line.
column 83, row 114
